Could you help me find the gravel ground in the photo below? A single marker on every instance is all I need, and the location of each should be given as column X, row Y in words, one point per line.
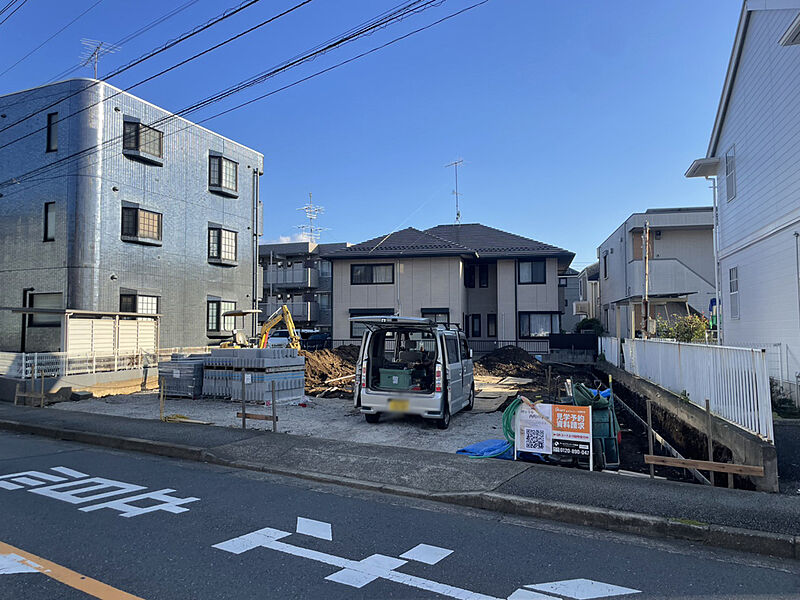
column 330, row 418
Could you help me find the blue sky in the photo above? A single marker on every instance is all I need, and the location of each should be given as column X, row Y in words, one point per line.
column 569, row 115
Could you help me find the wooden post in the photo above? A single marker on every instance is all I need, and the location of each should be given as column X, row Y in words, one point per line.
column 274, row 418
column 650, row 436
column 41, row 400
column 16, row 395
column 709, row 438
column 244, row 413
column 549, row 372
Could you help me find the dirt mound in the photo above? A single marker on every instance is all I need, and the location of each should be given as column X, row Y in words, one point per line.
column 324, row 365
column 508, row 361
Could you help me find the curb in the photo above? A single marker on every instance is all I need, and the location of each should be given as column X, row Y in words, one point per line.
column 730, row 538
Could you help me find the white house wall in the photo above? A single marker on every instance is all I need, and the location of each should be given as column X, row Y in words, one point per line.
column 757, row 226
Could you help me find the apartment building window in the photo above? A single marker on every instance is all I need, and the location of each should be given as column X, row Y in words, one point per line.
column 734, row 292
column 325, row 268
column 532, row 271
column 371, row 274
column 49, row 221
column 476, row 326
column 437, row 315
column 137, row 137
column 491, row 325
column 222, row 244
column 730, row 174
column 483, row 276
column 357, row 329
column 562, row 282
column 469, row 276
column 223, row 174
column 605, row 266
column 139, row 225
column 52, row 132
column 533, row 324
column 135, row 303
column 48, row 300
column 214, row 319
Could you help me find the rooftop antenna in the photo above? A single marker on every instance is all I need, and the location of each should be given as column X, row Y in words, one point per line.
column 93, row 50
column 311, row 231
column 455, row 165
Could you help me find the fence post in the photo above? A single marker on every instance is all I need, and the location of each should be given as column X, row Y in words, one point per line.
column 35, row 365
column 274, row 417
column 650, row 436
column 709, row 438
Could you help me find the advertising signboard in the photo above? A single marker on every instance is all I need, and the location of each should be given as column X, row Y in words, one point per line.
column 554, row 428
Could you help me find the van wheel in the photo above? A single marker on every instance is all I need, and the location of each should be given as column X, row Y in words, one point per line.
column 372, row 418
column 444, row 422
column 471, row 400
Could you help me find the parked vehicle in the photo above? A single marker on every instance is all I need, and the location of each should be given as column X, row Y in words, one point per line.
column 278, row 339
column 413, row 366
column 318, row 341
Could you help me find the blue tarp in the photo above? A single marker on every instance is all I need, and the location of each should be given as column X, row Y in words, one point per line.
column 488, row 448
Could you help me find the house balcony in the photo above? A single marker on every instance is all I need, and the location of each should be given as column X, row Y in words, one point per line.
column 294, row 277
column 668, row 277
column 302, row 312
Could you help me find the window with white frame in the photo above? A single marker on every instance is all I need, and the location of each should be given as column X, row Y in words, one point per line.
column 733, row 296
column 537, row 324
column 730, row 174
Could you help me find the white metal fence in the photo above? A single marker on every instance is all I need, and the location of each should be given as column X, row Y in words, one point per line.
column 609, row 347
column 735, row 380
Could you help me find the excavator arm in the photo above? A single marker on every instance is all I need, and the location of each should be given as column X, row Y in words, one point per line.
column 282, row 314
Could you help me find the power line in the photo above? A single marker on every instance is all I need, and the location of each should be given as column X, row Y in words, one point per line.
column 170, row 44
column 50, row 38
column 94, row 149
column 162, row 72
column 383, row 20
column 21, row 4
column 133, row 35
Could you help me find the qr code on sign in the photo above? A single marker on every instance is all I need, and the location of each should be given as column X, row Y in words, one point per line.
column 534, row 439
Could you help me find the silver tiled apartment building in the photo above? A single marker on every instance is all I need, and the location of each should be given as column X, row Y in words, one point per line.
column 110, row 203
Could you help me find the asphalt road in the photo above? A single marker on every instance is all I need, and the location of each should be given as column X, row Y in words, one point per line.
column 50, row 548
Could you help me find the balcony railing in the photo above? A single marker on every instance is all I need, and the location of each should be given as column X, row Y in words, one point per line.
column 291, row 277
column 302, row 312
column 666, row 276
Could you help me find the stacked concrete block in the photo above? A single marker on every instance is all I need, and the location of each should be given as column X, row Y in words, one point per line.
column 224, row 368
column 182, row 376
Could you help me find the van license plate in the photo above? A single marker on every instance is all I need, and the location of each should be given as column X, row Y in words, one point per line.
column 398, row 405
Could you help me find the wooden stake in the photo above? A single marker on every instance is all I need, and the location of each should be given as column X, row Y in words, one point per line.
column 549, row 371
column 161, row 393
column 41, row 400
column 709, row 438
column 650, row 436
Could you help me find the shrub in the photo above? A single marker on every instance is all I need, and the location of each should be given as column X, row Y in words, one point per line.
column 593, row 324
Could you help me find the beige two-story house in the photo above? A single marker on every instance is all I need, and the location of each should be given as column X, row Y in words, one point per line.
column 497, row 285
column 680, row 265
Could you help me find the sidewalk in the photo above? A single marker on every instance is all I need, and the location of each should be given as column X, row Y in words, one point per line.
column 749, row 521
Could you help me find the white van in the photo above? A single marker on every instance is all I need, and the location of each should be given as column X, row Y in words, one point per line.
column 413, row 366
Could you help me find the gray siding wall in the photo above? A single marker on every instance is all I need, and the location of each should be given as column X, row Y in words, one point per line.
column 88, row 250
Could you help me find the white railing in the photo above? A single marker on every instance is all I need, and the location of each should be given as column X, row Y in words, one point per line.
column 734, row 380
column 609, row 347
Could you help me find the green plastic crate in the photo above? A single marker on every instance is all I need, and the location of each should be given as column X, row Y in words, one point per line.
column 395, row 379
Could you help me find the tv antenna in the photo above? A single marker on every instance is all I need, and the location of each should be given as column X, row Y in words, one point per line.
column 93, row 50
column 311, row 232
column 455, row 164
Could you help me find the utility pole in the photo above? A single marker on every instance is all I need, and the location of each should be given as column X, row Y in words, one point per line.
column 455, row 165
column 645, row 307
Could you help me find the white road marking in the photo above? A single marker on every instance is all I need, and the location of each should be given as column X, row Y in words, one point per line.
column 256, row 539
column 237, row 545
column 582, row 589
column 68, row 492
column 430, row 555
column 317, row 529
column 69, row 472
column 361, row 578
column 127, row 507
column 11, row 564
column 529, row 595
column 44, row 477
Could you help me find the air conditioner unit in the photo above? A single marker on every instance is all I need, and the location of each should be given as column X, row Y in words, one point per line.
column 580, row 307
